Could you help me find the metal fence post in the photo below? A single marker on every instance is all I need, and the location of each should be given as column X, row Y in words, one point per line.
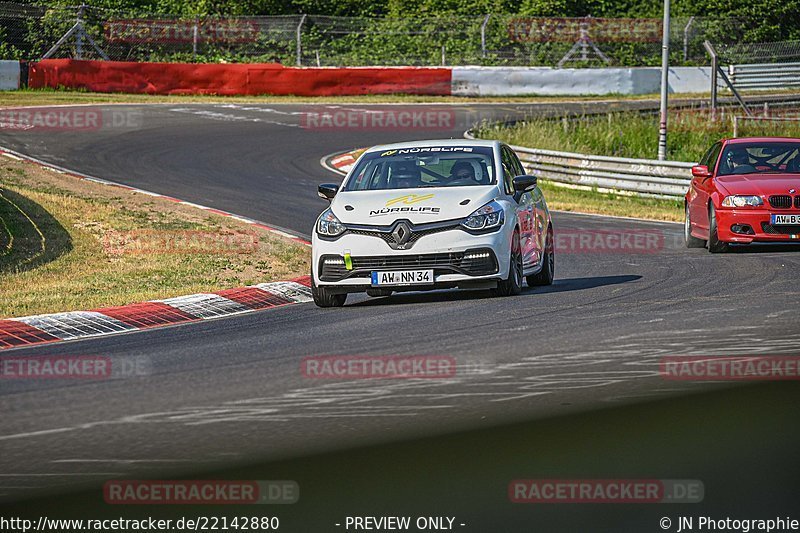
column 194, row 39
column 662, row 129
column 79, row 35
column 299, row 43
column 444, row 59
column 686, row 38
column 483, row 34
column 714, row 68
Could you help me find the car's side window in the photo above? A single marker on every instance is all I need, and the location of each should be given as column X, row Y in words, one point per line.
column 508, row 170
column 519, row 170
column 710, row 159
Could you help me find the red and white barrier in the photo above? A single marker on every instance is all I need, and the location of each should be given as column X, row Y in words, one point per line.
column 236, row 79
column 276, row 79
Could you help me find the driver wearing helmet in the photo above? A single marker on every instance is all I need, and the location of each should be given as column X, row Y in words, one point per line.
column 738, row 161
column 405, row 175
column 462, row 170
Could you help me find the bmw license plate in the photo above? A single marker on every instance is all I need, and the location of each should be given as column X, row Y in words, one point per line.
column 777, row 220
column 403, row 277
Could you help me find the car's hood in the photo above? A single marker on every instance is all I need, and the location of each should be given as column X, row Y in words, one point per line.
column 759, row 184
column 382, row 208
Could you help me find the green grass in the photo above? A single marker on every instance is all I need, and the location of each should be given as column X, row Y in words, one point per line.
column 690, row 133
column 68, row 244
column 28, row 97
column 561, row 198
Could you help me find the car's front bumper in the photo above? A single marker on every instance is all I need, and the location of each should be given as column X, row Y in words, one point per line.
column 458, row 259
column 746, row 226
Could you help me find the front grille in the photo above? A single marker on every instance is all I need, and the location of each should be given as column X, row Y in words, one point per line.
column 780, row 201
column 389, row 239
column 797, row 201
column 386, row 233
column 473, row 262
column 789, row 229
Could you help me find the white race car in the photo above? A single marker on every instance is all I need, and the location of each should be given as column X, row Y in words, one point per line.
column 432, row 215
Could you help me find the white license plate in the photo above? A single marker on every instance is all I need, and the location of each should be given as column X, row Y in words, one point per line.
column 777, row 220
column 403, row 277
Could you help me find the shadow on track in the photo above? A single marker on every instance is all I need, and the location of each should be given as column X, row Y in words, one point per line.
column 559, row 285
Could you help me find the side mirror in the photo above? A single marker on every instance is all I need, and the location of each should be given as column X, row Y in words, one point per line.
column 327, row 191
column 524, row 183
column 700, row 171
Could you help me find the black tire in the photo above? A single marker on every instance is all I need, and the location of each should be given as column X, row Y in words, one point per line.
column 324, row 297
column 512, row 285
column 715, row 246
column 545, row 275
column 690, row 240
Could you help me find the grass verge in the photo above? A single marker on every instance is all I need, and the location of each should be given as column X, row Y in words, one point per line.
column 28, row 97
column 630, row 134
column 592, row 201
column 69, row 244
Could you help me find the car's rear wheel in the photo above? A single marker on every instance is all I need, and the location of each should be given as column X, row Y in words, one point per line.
column 715, row 246
column 513, row 283
column 323, row 296
column 691, row 240
column 545, row 275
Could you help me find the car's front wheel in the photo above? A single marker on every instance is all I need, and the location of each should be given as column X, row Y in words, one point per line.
column 545, row 275
column 715, row 246
column 691, row 240
column 513, row 283
column 323, row 296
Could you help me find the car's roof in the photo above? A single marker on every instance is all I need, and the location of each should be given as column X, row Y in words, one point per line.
column 436, row 142
column 740, row 140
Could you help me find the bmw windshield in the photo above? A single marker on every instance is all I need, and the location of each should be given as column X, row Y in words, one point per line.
column 763, row 157
column 414, row 168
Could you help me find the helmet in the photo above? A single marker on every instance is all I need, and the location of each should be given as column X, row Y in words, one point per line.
column 405, row 175
column 462, row 170
column 737, row 156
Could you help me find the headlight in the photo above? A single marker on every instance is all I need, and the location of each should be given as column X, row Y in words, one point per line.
column 738, row 200
column 329, row 226
column 487, row 217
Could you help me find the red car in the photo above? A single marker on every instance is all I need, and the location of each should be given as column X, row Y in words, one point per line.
column 743, row 191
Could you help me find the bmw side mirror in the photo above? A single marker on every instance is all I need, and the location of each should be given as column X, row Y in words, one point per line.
column 524, row 183
column 327, row 191
column 700, row 171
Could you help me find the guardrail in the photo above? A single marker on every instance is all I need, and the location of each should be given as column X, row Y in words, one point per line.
column 765, row 75
column 639, row 176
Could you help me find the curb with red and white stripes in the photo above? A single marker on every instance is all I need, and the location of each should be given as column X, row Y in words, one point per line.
column 39, row 329
column 341, row 162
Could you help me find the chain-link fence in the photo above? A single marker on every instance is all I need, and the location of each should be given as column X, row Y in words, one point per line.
column 33, row 32
column 743, row 53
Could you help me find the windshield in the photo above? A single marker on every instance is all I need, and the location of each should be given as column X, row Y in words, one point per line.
column 765, row 158
column 419, row 167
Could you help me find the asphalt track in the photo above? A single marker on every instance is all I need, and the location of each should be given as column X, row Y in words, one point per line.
column 229, row 392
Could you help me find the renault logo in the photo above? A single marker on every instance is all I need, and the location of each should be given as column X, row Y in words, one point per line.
column 401, row 233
